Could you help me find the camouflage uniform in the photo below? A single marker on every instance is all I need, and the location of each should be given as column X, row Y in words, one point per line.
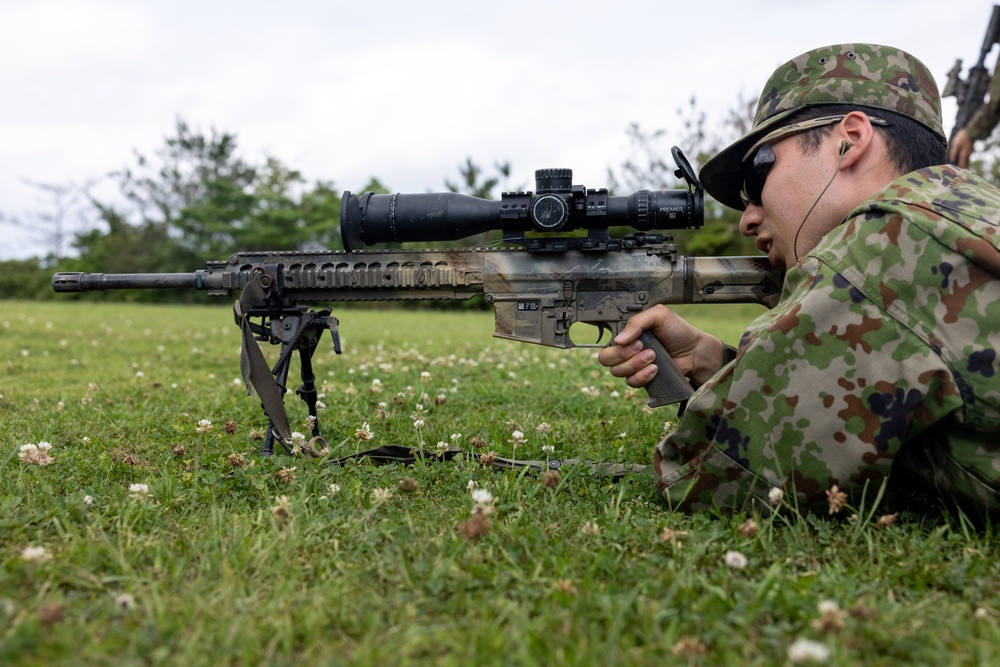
column 987, row 115
column 882, row 353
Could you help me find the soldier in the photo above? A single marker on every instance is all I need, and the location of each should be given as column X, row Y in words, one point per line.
column 881, row 357
column 978, row 128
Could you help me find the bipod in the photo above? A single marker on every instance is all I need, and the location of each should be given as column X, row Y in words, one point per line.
column 294, row 328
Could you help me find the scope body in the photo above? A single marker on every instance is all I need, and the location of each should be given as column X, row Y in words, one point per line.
column 556, row 206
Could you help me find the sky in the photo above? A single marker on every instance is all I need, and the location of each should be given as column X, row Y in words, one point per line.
column 401, row 91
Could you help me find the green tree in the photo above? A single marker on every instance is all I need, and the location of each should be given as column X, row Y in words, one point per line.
column 212, row 201
column 651, row 167
column 25, row 279
column 470, row 184
column 132, row 248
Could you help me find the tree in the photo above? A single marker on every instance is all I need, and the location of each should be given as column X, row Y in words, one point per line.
column 52, row 228
column 469, row 184
column 651, row 167
column 212, row 201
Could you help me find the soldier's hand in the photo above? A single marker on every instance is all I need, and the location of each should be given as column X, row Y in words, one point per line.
column 696, row 354
column 960, row 149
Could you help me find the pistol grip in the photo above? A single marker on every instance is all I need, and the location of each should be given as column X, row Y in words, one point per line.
column 668, row 385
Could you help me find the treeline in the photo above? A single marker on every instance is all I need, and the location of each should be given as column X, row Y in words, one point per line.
column 196, row 199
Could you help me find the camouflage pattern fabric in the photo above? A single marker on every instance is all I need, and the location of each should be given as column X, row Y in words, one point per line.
column 864, row 75
column 987, row 116
column 880, row 358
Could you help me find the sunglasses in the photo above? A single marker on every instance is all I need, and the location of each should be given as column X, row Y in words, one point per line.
column 759, row 159
column 755, row 174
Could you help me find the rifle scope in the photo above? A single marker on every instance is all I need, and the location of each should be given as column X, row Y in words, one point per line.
column 555, row 206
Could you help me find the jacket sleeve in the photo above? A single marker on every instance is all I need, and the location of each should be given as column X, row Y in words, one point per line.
column 987, row 115
column 823, row 391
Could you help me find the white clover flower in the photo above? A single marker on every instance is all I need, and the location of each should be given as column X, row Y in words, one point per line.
column 544, row 427
column 204, row 425
column 482, row 501
column 548, row 449
column 32, row 554
column 807, row 650
column 125, row 601
column 88, row 500
column 442, row 446
column 471, row 484
column 455, row 437
column 775, row 495
column 33, row 454
column 482, row 496
column 827, row 607
column 591, row 528
column 381, row 495
column 364, row 434
column 735, row 560
column 418, row 423
column 138, row 491
column 334, row 489
column 28, row 452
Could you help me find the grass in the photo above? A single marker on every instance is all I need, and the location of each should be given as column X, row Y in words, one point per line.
column 237, row 560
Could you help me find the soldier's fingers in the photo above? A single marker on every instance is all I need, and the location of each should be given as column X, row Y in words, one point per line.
column 642, row 377
column 612, row 355
column 632, row 364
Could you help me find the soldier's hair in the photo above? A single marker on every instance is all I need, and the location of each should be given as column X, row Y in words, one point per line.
column 911, row 145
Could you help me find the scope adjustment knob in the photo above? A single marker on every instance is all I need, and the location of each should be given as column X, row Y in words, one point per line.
column 642, row 210
column 549, row 212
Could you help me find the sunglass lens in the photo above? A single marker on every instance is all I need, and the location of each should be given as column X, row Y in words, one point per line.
column 756, row 173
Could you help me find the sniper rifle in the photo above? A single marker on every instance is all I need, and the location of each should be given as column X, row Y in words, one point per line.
column 538, row 290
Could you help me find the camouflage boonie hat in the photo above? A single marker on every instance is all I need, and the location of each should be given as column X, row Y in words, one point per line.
column 869, row 75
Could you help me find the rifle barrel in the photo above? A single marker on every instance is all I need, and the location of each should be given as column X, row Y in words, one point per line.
column 96, row 282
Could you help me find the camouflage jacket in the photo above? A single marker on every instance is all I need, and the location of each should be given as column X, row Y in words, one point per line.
column 988, row 114
column 881, row 355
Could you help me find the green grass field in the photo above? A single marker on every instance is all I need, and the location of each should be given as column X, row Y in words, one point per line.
column 232, row 559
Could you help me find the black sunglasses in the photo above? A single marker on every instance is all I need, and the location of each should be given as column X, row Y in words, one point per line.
column 755, row 173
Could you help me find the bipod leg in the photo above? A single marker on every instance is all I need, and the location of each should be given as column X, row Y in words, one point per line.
column 281, row 379
column 307, row 390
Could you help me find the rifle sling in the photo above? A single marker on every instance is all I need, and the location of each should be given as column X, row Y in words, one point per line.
column 409, row 455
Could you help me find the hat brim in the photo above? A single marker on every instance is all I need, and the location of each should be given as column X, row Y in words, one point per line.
column 722, row 175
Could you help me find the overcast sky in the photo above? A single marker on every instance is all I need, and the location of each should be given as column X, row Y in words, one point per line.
column 404, row 91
